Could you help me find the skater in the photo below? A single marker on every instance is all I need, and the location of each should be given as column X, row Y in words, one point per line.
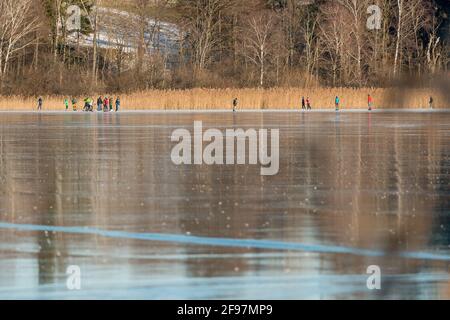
column 336, row 102
column 91, row 105
column 308, row 104
column 117, row 104
column 74, row 104
column 106, row 104
column 235, row 104
column 431, row 102
column 66, row 103
column 40, row 103
column 370, row 102
column 303, row 103
column 100, row 104
column 88, row 102
column 111, row 102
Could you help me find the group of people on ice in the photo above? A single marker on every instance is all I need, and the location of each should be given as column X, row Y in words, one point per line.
column 306, row 103
column 105, row 104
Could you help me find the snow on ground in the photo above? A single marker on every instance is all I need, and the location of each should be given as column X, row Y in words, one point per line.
column 116, row 30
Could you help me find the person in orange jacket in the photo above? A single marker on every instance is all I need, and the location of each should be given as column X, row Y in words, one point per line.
column 370, row 102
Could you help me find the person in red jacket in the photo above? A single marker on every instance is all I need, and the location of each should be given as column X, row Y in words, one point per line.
column 370, row 102
column 106, row 104
column 308, row 104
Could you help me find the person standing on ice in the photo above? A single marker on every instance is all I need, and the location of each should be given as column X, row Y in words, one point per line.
column 336, row 102
column 40, row 103
column 235, row 104
column 431, row 102
column 106, row 104
column 74, row 104
column 90, row 104
column 85, row 104
column 369, row 102
column 66, row 103
column 99, row 104
column 303, row 103
column 117, row 104
column 308, row 104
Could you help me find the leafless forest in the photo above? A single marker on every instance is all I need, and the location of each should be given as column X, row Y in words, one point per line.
column 134, row 45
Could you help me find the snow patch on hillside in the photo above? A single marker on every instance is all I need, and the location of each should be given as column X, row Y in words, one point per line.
column 118, row 29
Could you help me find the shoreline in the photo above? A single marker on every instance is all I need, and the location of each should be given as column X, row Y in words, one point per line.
column 227, row 111
column 248, row 99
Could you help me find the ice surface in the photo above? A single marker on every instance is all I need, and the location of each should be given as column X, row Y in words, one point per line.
column 349, row 185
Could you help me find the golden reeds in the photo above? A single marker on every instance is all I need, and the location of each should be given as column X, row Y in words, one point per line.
column 251, row 99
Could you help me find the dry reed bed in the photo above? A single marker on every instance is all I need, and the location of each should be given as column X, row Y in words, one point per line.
column 251, row 99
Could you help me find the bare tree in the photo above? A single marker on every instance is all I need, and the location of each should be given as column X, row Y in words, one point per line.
column 309, row 30
column 141, row 26
column 400, row 11
column 334, row 34
column 202, row 23
column 434, row 51
column 379, row 45
column 147, row 26
column 58, row 26
column 152, row 50
column 120, row 37
column 257, row 40
column 17, row 26
column 358, row 11
column 94, row 23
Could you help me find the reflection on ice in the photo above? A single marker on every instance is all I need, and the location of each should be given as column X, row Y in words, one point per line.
column 371, row 182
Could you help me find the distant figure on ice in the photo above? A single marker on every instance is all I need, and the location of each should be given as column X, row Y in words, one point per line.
column 117, row 104
column 111, row 102
column 88, row 104
column 336, row 102
column 235, row 104
column 66, row 103
column 303, row 103
column 106, row 104
column 85, row 104
column 40, row 103
column 74, row 104
column 308, row 104
column 431, row 102
column 369, row 102
column 100, row 104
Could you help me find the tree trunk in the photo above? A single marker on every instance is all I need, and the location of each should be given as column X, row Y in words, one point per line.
column 399, row 31
column 261, row 81
column 94, row 49
column 36, row 52
column 57, row 29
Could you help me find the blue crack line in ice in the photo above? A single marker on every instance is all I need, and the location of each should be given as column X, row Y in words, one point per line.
column 223, row 242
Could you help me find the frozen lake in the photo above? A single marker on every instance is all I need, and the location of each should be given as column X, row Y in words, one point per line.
column 99, row 191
